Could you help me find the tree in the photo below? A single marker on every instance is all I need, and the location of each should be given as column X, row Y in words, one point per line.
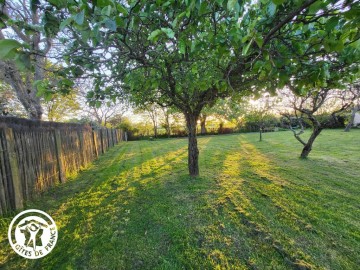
column 188, row 54
column 208, row 110
column 262, row 113
column 61, row 107
column 166, row 119
column 21, row 27
column 105, row 111
column 354, row 110
column 9, row 104
column 152, row 111
column 306, row 106
column 231, row 109
column 117, row 119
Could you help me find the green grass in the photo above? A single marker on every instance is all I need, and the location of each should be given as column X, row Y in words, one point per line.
column 256, row 205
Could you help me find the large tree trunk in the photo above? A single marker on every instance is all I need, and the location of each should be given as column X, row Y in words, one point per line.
column 308, row 146
column 193, row 151
column 22, row 83
column 24, row 90
column 352, row 117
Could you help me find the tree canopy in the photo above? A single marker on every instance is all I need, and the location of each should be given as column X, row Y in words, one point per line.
column 189, row 53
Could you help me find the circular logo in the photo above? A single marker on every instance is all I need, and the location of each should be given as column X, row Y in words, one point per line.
column 32, row 234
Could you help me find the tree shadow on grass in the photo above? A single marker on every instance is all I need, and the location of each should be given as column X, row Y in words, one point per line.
column 136, row 208
column 129, row 218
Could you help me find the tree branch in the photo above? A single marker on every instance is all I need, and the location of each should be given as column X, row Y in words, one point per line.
column 287, row 19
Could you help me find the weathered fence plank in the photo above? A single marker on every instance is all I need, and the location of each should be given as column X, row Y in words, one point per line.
column 59, row 156
column 14, row 168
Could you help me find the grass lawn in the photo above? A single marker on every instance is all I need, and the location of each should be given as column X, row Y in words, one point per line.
column 256, row 205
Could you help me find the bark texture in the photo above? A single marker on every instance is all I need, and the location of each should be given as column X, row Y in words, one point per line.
column 352, row 118
column 22, row 86
column 193, row 151
column 317, row 128
column 308, row 146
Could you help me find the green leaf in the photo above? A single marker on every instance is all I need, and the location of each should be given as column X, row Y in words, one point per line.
column 182, row 47
column 79, row 18
column 339, row 46
column 97, row 104
column 203, row 8
column 278, row 2
column 23, row 61
column 169, row 32
column 356, row 44
column 7, row 46
column 90, row 95
column 262, row 75
column 330, row 25
column 246, row 48
column 121, row 9
column 58, row 3
column 352, row 13
column 77, row 71
column 259, row 40
column 231, row 4
column 106, row 11
column 37, row 84
column 331, row 44
column 154, row 34
column 51, row 24
column 48, row 95
column 65, row 23
column 103, row 3
column 110, row 24
column 194, row 69
column 119, row 21
column 271, row 9
column 65, row 83
column 315, row 7
column 193, row 46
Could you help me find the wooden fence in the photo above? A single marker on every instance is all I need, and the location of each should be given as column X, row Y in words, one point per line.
column 35, row 155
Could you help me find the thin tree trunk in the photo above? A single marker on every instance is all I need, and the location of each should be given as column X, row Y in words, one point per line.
column 193, row 151
column 203, row 130
column 167, row 123
column 155, row 131
column 352, row 118
column 308, row 146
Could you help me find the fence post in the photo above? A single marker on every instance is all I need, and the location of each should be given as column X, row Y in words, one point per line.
column 14, row 167
column 112, row 136
column 81, row 141
column 102, row 140
column 59, row 156
column 118, row 135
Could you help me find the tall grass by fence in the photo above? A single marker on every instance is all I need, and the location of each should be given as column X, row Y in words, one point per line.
column 35, row 155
